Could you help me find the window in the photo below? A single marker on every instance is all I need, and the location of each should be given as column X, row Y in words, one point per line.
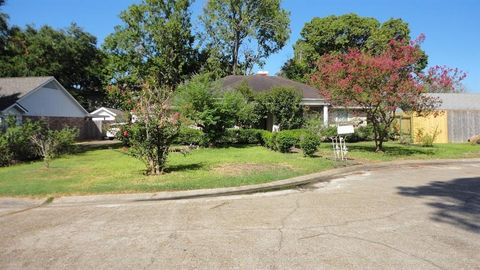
column 341, row 116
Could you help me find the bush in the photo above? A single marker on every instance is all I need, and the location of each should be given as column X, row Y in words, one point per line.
column 268, row 139
column 250, row 136
column 15, row 144
column 328, row 132
column 190, row 136
column 405, row 139
column 285, row 140
column 202, row 101
column 123, row 135
column 65, row 139
column 309, row 144
column 363, row 133
column 6, row 155
column 242, row 136
column 48, row 143
column 18, row 139
column 427, row 139
column 284, row 103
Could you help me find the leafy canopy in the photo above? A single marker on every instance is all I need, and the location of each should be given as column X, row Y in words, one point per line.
column 245, row 31
column 68, row 54
column 201, row 101
column 339, row 34
column 284, row 104
column 155, row 40
column 379, row 84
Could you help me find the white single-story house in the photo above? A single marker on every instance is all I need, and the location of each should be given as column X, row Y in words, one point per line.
column 42, row 98
column 311, row 98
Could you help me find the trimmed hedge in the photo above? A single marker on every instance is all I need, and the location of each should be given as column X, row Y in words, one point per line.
column 309, row 144
column 282, row 141
column 190, row 136
column 285, row 140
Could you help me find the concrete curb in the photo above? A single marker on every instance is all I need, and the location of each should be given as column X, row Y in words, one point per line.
column 276, row 185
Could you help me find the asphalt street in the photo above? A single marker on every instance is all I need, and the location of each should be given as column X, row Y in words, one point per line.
column 409, row 217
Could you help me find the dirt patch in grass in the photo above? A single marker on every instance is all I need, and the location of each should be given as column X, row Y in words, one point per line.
column 246, row 168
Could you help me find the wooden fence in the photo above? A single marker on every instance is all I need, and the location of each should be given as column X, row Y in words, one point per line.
column 462, row 125
column 451, row 126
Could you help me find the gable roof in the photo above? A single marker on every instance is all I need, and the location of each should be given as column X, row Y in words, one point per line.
column 119, row 114
column 458, row 101
column 12, row 89
column 262, row 83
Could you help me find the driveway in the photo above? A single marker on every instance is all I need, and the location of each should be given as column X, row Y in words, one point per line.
column 410, row 217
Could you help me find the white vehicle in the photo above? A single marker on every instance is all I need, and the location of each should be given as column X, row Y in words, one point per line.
column 113, row 130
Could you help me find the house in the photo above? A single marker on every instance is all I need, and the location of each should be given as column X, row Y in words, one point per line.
column 43, row 98
column 457, row 119
column 109, row 115
column 311, row 98
column 108, row 121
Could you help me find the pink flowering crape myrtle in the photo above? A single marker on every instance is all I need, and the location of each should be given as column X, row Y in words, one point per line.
column 384, row 82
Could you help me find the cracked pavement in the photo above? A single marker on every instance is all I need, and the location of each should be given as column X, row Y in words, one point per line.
column 412, row 217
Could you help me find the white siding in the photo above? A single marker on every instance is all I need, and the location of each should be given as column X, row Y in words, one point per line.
column 48, row 101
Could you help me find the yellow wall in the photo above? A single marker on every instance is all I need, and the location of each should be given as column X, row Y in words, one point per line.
column 429, row 124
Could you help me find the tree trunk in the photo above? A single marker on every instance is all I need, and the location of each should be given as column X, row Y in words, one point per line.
column 236, row 48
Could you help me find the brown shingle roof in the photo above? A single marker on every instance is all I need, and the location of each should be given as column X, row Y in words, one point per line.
column 12, row 89
column 261, row 83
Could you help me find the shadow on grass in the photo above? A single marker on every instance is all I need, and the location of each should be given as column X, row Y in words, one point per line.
column 80, row 149
column 184, row 167
column 239, row 146
column 457, row 201
column 394, row 150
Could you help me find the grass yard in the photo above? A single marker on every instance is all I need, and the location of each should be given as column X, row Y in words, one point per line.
column 114, row 171
column 365, row 151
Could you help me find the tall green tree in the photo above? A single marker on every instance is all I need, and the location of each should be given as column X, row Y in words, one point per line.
column 339, row 34
column 3, row 27
column 246, row 31
column 211, row 109
column 70, row 55
column 154, row 41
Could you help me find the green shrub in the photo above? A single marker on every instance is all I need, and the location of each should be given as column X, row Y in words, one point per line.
column 427, row 139
column 123, row 135
column 314, row 123
column 405, row 139
column 284, row 103
column 6, row 155
column 267, row 139
column 65, row 139
column 190, row 136
column 361, row 134
column 285, row 140
column 242, row 136
column 15, row 143
column 49, row 144
column 250, row 136
column 18, row 139
column 328, row 132
column 309, row 144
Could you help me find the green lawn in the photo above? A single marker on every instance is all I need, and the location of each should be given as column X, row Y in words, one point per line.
column 365, row 151
column 113, row 171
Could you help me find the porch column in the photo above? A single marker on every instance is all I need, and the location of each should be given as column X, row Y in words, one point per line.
column 325, row 115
